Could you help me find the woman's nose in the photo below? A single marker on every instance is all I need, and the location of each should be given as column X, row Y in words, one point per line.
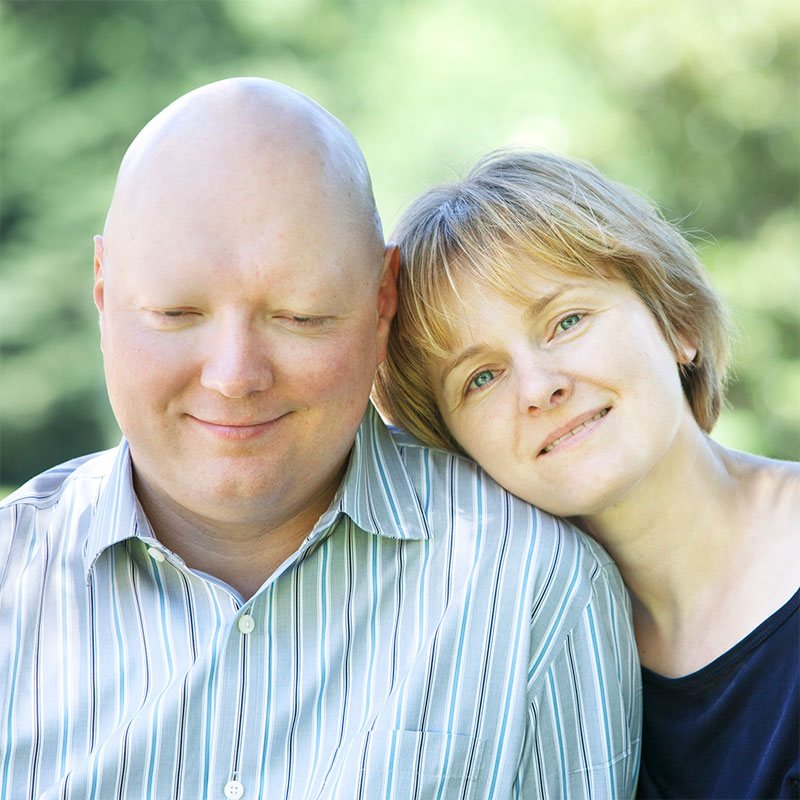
column 540, row 387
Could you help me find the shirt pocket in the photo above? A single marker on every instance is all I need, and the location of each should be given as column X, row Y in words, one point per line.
column 406, row 765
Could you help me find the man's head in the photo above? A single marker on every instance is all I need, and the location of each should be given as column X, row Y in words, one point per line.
column 245, row 296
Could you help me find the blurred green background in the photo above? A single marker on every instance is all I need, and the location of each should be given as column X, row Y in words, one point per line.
column 692, row 102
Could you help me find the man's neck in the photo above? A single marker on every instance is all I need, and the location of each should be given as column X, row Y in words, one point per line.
column 242, row 553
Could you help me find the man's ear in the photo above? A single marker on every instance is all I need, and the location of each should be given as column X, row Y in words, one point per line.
column 99, row 283
column 99, row 277
column 387, row 295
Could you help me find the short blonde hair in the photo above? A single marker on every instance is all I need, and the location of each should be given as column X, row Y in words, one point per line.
column 516, row 209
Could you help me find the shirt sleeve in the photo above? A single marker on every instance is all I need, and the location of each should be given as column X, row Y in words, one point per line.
column 584, row 733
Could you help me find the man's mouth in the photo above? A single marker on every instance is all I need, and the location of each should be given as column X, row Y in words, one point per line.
column 237, row 430
column 575, row 430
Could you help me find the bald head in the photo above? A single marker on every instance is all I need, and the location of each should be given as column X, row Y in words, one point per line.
column 245, row 299
column 224, row 150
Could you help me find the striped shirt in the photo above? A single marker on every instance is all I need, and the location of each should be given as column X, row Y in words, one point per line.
column 434, row 637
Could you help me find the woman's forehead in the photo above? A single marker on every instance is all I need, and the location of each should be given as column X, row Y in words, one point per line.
column 520, row 281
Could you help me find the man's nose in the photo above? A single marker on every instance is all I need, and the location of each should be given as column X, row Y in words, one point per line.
column 541, row 386
column 237, row 363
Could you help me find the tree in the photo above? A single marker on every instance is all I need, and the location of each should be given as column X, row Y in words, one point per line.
column 689, row 103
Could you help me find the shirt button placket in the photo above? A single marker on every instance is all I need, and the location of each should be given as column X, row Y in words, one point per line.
column 233, row 790
column 246, row 624
column 156, row 554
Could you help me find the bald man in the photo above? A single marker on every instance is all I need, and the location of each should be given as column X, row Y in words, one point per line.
column 262, row 592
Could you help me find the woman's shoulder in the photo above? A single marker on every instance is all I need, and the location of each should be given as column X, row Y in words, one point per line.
column 772, row 488
column 743, row 702
column 768, row 570
column 762, row 467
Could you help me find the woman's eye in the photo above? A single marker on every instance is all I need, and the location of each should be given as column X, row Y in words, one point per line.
column 481, row 379
column 569, row 322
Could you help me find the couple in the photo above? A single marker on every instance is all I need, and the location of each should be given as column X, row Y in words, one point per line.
column 263, row 592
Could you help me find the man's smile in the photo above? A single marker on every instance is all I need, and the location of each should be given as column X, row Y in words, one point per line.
column 237, row 430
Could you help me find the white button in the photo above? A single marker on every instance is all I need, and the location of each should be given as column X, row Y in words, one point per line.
column 234, row 790
column 246, row 624
column 155, row 554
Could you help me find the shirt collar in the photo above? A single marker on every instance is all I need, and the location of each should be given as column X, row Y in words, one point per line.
column 376, row 493
column 116, row 515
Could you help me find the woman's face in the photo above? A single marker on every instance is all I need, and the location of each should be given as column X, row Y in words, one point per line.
column 570, row 399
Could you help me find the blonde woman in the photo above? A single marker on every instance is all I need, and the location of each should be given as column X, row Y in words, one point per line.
column 556, row 329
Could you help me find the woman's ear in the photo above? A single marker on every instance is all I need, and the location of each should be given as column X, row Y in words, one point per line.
column 686, row 353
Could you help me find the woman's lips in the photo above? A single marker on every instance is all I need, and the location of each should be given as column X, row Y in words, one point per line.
column 573, row 427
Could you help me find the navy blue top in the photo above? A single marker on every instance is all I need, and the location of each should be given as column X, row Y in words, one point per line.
column 731, row 729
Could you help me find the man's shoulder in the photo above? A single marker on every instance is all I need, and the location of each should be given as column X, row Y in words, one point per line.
column 48, row 488
column 560, row 574
column 438, row 473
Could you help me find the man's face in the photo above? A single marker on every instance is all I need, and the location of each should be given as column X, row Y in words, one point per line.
column 240, row 343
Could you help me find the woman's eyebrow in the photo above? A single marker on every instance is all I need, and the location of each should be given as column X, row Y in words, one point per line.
column 463, row 356
column 537, row 306
column 531, row 312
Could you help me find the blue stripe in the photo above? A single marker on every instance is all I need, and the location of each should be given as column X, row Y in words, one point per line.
column 462, row 632
column 507, row 705
column 601, row 686
column 270, row 596
column 556, row 625
column 323, row 633
column 19, row 639
column 560, row 737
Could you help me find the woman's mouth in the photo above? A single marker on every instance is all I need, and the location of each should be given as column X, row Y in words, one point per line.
column 574, row 430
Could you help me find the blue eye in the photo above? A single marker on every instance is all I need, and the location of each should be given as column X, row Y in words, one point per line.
column 481, row 379
column 570, row 321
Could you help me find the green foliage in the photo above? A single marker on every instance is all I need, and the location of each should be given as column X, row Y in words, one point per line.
column 692, row 103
